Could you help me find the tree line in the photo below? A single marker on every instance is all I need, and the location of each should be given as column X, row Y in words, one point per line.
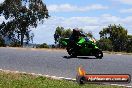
column 115, row 38
column 21, row 15
column 112, row 38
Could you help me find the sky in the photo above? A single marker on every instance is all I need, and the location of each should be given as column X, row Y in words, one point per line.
column 90, row 15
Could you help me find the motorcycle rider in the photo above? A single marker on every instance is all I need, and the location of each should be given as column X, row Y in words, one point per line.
column 74, row 38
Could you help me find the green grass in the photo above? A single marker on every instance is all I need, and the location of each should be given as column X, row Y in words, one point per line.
column 18, row 80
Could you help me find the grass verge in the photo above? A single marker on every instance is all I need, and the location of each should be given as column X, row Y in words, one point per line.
column 19, row 80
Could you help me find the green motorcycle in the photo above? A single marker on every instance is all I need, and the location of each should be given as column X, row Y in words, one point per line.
column 84, row 47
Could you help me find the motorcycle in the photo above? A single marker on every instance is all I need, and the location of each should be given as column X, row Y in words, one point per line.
column 83, row 47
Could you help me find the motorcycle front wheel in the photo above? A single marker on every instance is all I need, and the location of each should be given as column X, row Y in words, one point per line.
column 99, row 54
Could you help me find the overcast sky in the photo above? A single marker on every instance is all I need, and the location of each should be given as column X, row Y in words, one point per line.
column 91, row 15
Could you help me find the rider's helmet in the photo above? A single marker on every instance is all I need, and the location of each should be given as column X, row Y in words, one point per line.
column 76, row 32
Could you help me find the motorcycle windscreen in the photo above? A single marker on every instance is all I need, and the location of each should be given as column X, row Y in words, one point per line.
column 81, row 40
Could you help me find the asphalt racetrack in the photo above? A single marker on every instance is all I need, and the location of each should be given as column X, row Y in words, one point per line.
column 57, row 63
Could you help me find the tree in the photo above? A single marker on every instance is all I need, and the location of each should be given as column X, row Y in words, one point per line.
column 22, row 16
column 44, row 45
column 105, row 44
column 61, row 32
column 2, row 43
column 90, row 34
column 58, row 33
column 129, row 44
column 66, row 33
column 117, row 35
